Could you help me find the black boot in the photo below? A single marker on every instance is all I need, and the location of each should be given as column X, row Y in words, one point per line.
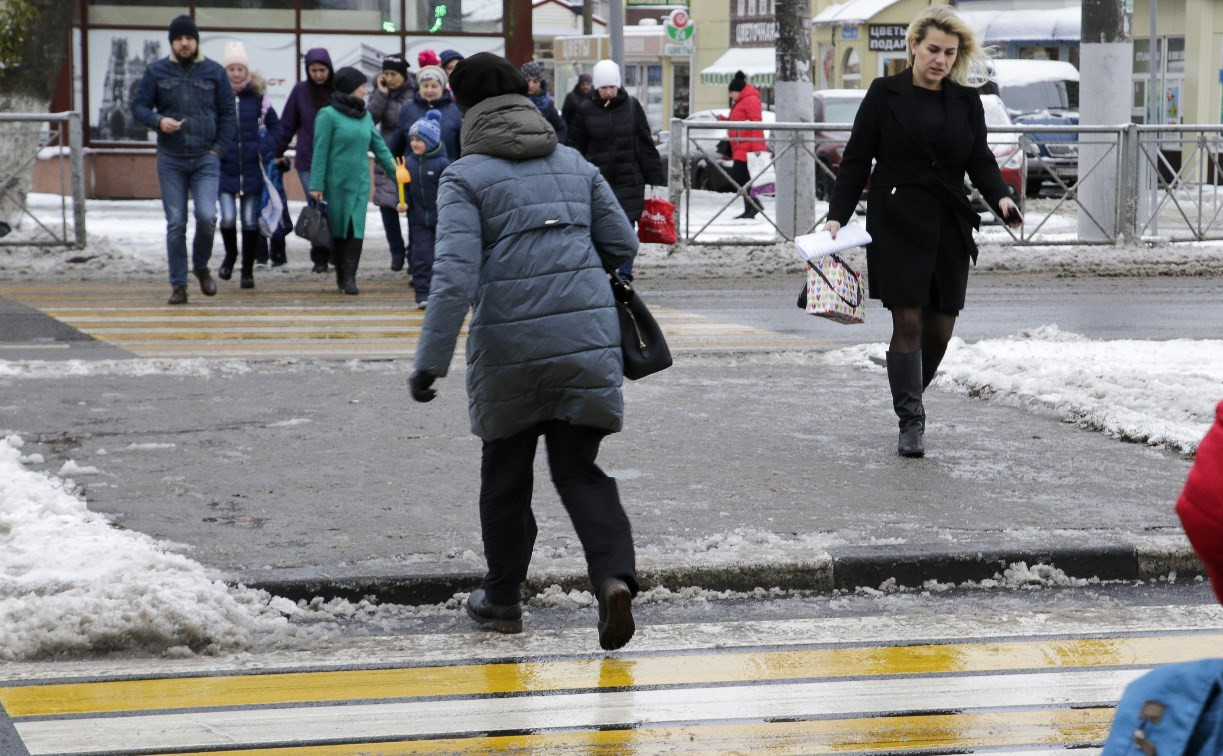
column 250, row 241
column 337, row 261
column 276, row 250
column 905, row 376
column 229, row 237
column 318, row 256
column 352, row 258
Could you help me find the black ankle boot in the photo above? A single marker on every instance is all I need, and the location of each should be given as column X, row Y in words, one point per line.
column 250, row 240
column 229, row 238
column 905, row 377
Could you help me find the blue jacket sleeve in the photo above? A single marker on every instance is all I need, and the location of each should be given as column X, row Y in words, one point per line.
column 144, row 100
column 227, row 115
column 267, row 145
column 610, row 230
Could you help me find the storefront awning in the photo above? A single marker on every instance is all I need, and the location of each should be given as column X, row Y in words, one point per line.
column 759, row 64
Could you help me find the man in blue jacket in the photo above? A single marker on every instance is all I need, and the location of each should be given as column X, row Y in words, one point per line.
column 187, row 99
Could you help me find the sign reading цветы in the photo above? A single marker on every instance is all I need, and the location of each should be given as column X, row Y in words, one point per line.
column 886, row 37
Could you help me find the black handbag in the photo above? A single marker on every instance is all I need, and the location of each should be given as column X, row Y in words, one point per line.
column 641, row 340
column 313, row 226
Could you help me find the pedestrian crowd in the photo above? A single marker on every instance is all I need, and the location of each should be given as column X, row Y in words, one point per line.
column 222, row 144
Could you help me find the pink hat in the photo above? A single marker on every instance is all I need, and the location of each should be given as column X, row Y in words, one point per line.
column 428, row 58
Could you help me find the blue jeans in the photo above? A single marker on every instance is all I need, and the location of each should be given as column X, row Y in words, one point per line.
column 250, row 211
column 201, row 176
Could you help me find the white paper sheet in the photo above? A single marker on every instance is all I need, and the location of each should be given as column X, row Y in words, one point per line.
column 817, row 245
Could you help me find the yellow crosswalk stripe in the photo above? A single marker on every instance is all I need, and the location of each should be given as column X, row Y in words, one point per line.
column 592, row 674
column 283, row 318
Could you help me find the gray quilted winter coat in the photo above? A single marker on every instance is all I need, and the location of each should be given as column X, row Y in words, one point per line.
column 524, row 229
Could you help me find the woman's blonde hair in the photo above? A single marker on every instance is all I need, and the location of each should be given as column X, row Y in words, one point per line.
column 970, row 60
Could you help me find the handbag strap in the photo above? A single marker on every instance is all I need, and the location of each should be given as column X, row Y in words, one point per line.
column 852, row 272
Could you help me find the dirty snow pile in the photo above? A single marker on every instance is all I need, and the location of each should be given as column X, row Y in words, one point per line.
column 74, row 583
column 1162, row 393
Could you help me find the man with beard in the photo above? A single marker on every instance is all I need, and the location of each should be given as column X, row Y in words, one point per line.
column 188, row 101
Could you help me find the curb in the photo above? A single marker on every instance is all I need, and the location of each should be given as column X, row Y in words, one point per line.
column 845, row 568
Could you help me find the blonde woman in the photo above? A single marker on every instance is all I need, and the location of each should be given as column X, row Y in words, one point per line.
column 924, row 128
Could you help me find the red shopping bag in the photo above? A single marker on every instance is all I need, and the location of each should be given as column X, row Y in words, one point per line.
column 657, row 224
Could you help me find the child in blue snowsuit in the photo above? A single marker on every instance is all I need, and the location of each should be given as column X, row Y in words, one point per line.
column 426, row 160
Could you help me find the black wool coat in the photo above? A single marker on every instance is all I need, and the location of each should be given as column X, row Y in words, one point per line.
column 913, row 182
column 615, row 136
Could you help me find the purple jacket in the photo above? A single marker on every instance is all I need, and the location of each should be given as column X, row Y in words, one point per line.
column 300, row 112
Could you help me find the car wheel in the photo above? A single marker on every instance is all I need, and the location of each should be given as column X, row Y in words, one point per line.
column 823, row 181
column 699, row 180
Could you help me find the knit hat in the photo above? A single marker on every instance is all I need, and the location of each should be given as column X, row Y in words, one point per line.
column 235, row 54
column 484, row 75
column 428, row 129
column 347, row 79
column 533, row 70
column 738, row 83
column 606, row 74
column 449, row 55
column 184, row 26
column 395, row 63
column 584, row 79
column 432, row 72
column 427, row 58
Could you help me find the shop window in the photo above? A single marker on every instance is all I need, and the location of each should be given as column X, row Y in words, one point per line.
column 351, row 15
column 448, row 16
column 245, row 14
column 134, row 12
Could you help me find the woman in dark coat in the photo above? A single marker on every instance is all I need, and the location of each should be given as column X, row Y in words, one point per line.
column 611, row 131
column 390, row 94
column 923, row 128
column 302, row 107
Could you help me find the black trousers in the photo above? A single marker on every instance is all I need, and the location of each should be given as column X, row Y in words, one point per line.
column 590, row 497
column 741, row 175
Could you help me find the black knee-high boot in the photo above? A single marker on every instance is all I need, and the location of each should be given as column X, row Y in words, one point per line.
column 352, row 258
column 250, row 241
column 229, row 238
column 905, row 376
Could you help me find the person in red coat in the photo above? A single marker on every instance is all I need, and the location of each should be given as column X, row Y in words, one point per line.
column 1200, row 506
column 745, row 106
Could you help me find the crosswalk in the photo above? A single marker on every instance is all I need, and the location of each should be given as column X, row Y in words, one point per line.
column 303, row 317
column 774, row 687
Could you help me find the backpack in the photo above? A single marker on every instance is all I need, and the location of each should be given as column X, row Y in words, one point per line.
column 1173, row 710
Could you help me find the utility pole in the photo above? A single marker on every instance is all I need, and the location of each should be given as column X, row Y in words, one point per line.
column 588, row 17
column 1105, row 72
column 795, row 104
column 615, row 25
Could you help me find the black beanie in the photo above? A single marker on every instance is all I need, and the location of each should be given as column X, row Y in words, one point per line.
column 184, row 26
column 738, row 83
column 395, row 63
column 482, row 76
column 347, row 79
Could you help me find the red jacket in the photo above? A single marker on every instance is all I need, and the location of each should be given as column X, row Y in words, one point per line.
column 743, row 141
column 1201, row 504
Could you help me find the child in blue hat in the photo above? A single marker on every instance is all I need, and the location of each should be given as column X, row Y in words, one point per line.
column 425, row 164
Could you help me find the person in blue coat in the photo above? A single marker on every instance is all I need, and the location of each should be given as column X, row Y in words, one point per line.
column 243, row 164
column 431, row 94
column 425, row 164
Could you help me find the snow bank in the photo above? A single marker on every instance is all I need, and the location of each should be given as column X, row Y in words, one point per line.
column 73, row 583
column 1161, row 393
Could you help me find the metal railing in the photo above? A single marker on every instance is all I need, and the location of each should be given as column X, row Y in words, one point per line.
column 1086, row 184
column 54, row 135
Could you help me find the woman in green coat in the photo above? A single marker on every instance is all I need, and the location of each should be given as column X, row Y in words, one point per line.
column 343, row 135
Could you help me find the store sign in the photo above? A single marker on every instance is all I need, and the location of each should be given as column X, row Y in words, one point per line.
column 886, row 37
column 753, row 23
column 679, row 28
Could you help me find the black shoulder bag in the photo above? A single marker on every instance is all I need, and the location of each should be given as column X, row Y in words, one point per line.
column 641, row 340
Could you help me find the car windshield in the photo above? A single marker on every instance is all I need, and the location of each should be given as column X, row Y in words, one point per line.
column 995, row 112
column 841, row 111
column 1041, row 95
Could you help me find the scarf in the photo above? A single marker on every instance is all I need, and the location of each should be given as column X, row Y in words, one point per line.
column 240, row 87
column 354, row 107
column 541, row 100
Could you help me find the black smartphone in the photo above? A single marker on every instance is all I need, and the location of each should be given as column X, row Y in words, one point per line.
column 1013, row 216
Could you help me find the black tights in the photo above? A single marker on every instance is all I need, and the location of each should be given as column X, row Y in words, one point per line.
column 920, row 328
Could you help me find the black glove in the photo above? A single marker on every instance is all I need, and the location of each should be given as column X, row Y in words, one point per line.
column 283, row 163
column 419, row 382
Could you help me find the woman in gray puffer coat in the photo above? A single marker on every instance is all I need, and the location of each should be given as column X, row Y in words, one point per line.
column 525, row 232
column 391, row 91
